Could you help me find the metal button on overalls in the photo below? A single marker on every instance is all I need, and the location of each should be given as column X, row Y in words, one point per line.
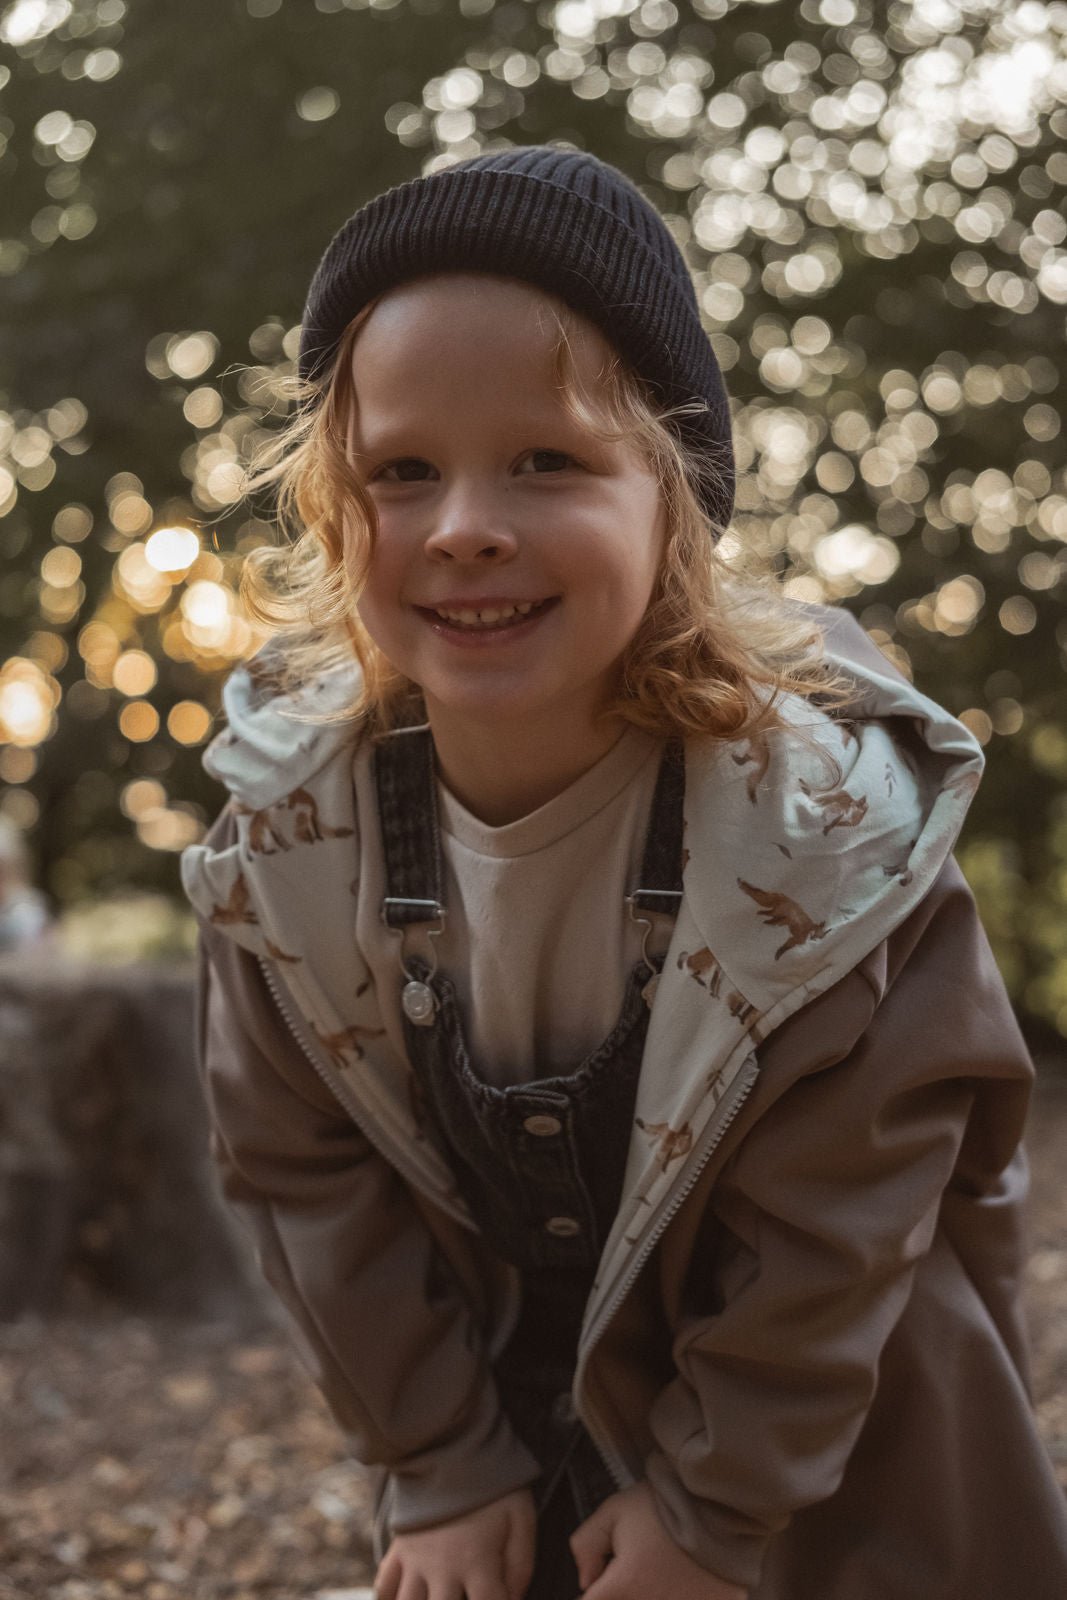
column 542, row 1127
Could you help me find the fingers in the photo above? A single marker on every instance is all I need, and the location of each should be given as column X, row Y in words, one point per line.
column 484, row 1589
column 591, row 1544
column 412, row 1587
column 392, row 1582
column 416, row 1587
column 387, row 1577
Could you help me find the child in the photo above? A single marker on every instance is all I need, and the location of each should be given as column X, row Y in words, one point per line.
column 600, row 1039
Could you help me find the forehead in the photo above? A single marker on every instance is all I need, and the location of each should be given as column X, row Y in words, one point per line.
column 440, row 333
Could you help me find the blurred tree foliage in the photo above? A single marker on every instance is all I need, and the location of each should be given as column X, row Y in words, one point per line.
column 871, row 196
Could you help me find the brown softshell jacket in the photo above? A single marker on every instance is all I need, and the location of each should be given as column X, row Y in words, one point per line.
column 820, row 1367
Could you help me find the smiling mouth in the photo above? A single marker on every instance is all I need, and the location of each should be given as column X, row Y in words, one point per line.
column 498, row 616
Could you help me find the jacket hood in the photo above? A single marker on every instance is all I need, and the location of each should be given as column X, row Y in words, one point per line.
column 818, row 843
column 274, row 741
column 804, row 849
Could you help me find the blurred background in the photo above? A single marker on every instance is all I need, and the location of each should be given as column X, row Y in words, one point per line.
column 871, row 197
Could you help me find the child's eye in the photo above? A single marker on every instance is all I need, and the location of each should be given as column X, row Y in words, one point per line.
column 409, row 469
column 542, row 461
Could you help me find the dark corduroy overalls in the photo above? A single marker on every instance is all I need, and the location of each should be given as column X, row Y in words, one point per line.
column 540, row 1164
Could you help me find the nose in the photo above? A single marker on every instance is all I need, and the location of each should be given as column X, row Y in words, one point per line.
column 470, row 524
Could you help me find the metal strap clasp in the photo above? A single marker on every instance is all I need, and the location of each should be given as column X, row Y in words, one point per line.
column 417, row 997
column 661, row 902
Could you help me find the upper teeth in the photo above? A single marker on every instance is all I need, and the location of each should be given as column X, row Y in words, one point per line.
column 487, row 614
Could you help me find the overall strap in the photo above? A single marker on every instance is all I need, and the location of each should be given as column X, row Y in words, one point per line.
column 411, row 841
column 661, row 869
column 407, row 808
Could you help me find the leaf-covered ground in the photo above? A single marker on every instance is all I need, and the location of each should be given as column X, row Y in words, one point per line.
column 184, row 1462
column 171, row 1462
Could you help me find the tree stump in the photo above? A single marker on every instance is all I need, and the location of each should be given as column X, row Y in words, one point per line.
column 106, row 1185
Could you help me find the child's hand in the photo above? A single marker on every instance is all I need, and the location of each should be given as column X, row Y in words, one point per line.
column 486, row 1555
column 623, row 1552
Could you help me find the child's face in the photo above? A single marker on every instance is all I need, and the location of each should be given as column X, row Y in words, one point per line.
column 490, row 497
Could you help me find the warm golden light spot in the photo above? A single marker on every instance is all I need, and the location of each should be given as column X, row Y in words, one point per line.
column 942, row 393
column 188, row 722
column 53, row 127
column 17, row 764
column 958, row 603
column 102, row 64
column 31, row 447
column 48, row 649
column 1008, row 715
column 318, row 104
column 61, row 605
column 979, row 723
column 207, row 565
column 174, row 642
column 835, row 472
column 172, row 549
column 851, row 430
column 143, row 794
column 879, row 467
column 981, row 385
column 854, row 552
column 130, row 513
column 61, row 567
column 21, row 808
column 1042, row 422
column 134, row 673
column 169, row 828
column 28, row 700
column 206, row 605
column 223, row 483
column 139, row 721
column 99, row 647
column 1018, row 615
column 203, row 407
column 72, row 523
column 1040, row 571
column 144, row 587
column 188, row 355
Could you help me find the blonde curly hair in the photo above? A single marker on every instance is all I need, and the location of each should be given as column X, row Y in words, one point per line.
column 718, row 648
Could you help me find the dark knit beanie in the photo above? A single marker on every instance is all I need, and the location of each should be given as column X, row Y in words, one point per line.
column 566, row 222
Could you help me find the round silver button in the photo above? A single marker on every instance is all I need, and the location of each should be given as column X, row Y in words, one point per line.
column 418, row 1002
column 542, row 1126
column 563, row 1227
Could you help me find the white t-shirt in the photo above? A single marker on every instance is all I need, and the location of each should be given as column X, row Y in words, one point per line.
column 538, row 940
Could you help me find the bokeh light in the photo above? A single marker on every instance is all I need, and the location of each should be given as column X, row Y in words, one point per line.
column 28, row 700
column 172, row 549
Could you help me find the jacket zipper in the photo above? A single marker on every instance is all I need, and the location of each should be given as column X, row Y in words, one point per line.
column 726, row 1112
column 735, row 1098
column 339, row 1089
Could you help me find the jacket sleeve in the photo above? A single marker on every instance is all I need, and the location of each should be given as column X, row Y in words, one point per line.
column 379, row 1316
column 807, row 1243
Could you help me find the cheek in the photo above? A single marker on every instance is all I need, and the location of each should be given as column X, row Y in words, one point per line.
column 381, row 607
column 373, row 553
